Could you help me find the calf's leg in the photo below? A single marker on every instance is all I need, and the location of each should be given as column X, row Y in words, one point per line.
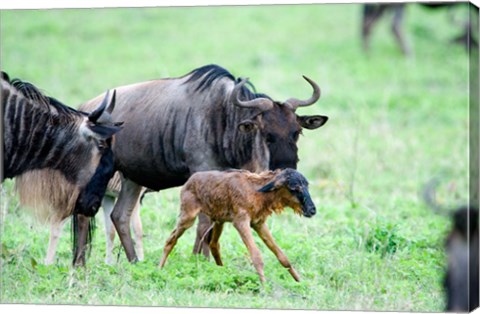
column 214, row 244
column 204, row 235
column 243, row 227
column 267, row 238
column 188, row 213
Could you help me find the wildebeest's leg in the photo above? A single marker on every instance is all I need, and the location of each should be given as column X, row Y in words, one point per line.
column 137, row 231
column 79, row 255
column 214, row 244
column 397, row 27
column 129, row 195
column 107, row 204
column 371, row 14
column 203, row 225
column 55, row 231
column 187, row 217
column 243, row 227
column 267, row 238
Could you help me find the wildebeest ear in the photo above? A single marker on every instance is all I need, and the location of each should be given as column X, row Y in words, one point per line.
column 247, row 126
column 103, row 131
column 267, row 188
column 312, row 122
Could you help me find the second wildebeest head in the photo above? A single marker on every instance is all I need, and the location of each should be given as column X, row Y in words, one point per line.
column 296, row 187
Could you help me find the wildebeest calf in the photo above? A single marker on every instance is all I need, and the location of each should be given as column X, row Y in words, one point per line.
column 245, row 199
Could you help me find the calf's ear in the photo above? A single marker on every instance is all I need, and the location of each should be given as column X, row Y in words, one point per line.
column 267, row 188
column 278, row 181
column 312, row 122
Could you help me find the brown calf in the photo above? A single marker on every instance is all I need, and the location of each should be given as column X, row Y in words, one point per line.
column 245, row 199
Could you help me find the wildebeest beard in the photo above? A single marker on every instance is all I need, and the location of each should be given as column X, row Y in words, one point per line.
column 283, row 155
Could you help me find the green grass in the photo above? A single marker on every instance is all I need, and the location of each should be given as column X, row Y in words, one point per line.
column 394, row 123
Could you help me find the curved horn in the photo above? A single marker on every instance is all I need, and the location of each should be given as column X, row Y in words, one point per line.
column 294, row 103
column 111, row 104
column 262, row 104
column 94, row 115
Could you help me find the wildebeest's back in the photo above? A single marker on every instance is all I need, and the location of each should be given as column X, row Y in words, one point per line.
column 223, row 193
column 149, row 117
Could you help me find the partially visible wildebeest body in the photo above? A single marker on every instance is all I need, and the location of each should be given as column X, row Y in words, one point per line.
column 46, row 146
column 246, row 200
column 372, row 12
column 461, row 280
column 40, row 132
column 205, row 120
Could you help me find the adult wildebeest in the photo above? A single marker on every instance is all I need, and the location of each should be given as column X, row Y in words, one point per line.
column 43, row 135
column 372, row 12
column 461, row 281
column 40, row 132
column 205, row 120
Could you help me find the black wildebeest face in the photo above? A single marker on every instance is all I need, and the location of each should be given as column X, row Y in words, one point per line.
column 281, row 131
column 279, row 125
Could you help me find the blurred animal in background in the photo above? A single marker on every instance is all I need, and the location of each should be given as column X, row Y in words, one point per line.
column 373, row 12
column 461, row 282
column 204, row 120
column 245, row 199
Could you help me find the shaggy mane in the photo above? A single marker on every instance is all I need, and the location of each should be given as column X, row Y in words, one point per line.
column 32, row 93
column 208, row 74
